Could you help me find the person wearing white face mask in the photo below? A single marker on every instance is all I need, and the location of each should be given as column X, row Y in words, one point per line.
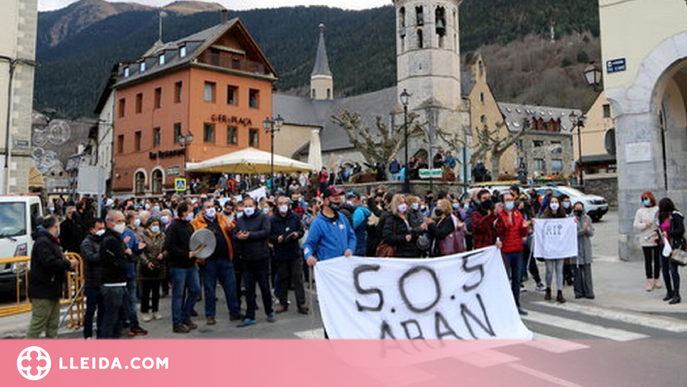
column 398, row 231
column 286, row 229
column 90, row 252
column 152, row 269
column 219, row 266
column 554, row 210
column 182, row 269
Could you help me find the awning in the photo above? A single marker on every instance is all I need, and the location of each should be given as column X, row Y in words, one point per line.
column 251, row 161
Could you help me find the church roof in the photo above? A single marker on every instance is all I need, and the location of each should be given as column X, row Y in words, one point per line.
column 321, row 61
column 515, row 114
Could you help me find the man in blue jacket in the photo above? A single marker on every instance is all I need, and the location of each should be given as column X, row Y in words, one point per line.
column 360, row 216
column 330, row 234
column 286, row 231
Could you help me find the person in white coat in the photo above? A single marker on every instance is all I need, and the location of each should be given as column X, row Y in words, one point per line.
column 645, row 223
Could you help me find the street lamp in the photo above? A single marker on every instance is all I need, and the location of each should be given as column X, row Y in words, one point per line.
column 272, row 125
column 592, row 74
column 578, row 121
column 185, row 141
column 405, row 98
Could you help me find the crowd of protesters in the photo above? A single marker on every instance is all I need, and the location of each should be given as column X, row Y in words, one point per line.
column 137, row 251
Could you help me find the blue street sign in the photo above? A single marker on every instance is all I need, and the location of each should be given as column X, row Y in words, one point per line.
column 180, row 185
column 616, row 65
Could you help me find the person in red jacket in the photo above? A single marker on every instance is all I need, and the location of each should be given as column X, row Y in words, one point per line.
column 483, row 231
column 511, row 228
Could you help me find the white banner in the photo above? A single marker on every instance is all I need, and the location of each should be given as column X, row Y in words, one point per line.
column 555, row 238
column 464, row 296
column 258, row 193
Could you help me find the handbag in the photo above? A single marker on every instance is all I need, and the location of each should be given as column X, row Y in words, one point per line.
column 679, row 256
column 454, row 243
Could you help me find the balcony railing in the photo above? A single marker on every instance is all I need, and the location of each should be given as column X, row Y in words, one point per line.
column 229, row 62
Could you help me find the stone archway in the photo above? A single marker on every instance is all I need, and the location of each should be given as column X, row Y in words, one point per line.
column 651, row 136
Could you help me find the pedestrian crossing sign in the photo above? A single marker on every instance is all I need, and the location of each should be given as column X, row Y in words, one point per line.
column 180, row 185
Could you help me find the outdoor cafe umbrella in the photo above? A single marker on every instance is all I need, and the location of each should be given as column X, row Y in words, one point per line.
column 250, row 161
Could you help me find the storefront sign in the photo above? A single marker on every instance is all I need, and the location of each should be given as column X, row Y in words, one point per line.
column 167, row 154
column 225, row 119
column 173, row 171
column 431, row 173
column 616, row 65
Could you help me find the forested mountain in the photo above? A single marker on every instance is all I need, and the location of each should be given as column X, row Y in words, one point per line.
column 78, row 45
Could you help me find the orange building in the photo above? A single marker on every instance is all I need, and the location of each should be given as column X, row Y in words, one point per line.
column 215, row 85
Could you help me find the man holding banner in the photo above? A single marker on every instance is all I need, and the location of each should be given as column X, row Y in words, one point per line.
column 511, row 228
column 330, row 235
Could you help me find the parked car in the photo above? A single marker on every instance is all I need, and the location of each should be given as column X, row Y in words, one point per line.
column 596, row 206
column 18, row 218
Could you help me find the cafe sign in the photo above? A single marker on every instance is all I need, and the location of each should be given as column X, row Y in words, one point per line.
column 225, row 119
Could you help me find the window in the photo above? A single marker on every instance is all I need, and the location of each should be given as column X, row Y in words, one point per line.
column 157, row 181
column 120, row 143
column 419, row 17
column 420, row 39
column 122, row 107
column 556, row 148
column 139, row 103
column 161, row 59
column 182, row 52
column 254, row 98
column 329, row 93
column 157, row 137
column 12, row 219
column 127, row 72
column 607, row 111
column 482, row 98
column 209, row 92
column 483, row 119
column 537, row 143
column 142, row 66
column 557, row 165
column 137, row 141
column 158, row 98
column 440, row 17
column 402, row 18
column 139, row 183
column 177, row 132
column 209, row 133
column 232, row 95
column 539, row 165
column 177, row 92
column 254, row 138
column 518, row 145
column 232, row 135
column 314, row 95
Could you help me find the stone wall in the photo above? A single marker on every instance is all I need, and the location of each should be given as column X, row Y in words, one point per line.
column 417, row 187
column 605, row 185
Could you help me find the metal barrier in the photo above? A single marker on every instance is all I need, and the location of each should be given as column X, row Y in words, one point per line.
column 72, row 292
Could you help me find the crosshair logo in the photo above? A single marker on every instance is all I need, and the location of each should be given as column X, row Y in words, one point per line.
column 33, row 363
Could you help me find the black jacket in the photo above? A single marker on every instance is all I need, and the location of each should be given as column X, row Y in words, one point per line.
column 375, row 233
column 114, row 261
column 677, row 231
column 48, row 266
column 395, row 231
column 284, row 226
column 255, row 247
column 439, row 231
column 72, row 233
column 93, row 270
column 177, row 241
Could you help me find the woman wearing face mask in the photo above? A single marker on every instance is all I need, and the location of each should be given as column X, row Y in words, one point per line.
column 645, row 223
column 399, row 233
column 554, row 210
column 583, row 265
column 568, row 275
column 152, row 269
column 672, row 226
column 414, row 215
column 443, row 227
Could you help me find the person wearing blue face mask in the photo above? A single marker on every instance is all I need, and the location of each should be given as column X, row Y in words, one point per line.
column 152, row 269
column 645, row 223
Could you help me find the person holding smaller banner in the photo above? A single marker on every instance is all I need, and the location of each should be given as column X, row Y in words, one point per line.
column 552, row 211
column 582, row 271
column 511, row 227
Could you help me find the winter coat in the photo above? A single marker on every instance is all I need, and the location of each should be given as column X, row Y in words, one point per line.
column 439, row 231
column 72, row 233
column 329, row 238
column 360, row 217
column 642, row 217
column 584, row 242
column 289, row 248
column 177, row 240
column 114, row 260
column 395, row 231
column 48, row 266
column 224, row 224
column 90, row 252
column 155, row 245
column 511, row 233
column 256, row 247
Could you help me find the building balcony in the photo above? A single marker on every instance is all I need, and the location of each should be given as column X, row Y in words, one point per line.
column 231, row 63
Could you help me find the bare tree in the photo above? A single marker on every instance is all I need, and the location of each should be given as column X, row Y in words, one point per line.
column 378, row 147
column 491, row 141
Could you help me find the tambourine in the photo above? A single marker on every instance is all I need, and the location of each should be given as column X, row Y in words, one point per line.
column 203, row 242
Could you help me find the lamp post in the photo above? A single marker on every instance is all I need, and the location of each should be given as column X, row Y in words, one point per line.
column 579, row 121
column 185, row 141
column 405, row 97
column 272, row 125
column 592, row 74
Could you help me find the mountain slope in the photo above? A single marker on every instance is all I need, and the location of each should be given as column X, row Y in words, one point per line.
column 360, row 44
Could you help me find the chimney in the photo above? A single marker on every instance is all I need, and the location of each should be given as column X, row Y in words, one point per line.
column 223, row 16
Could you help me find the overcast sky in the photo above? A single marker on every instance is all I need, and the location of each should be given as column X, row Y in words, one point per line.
column 47, row 5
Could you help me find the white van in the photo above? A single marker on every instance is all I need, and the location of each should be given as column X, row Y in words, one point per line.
column 18, row 219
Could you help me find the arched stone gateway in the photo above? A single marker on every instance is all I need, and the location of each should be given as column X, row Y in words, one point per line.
column 651, row 137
